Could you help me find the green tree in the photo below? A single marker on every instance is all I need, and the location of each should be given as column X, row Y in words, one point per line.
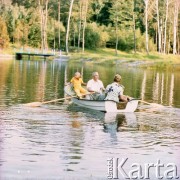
column 95, row 36
column 53, row 33
column 4, row 37
column 115, row 14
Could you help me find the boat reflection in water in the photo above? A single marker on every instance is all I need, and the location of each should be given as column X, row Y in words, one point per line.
column 120, row 122
column 116, row 122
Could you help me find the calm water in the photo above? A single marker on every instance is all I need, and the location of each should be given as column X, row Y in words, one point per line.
column 64, row 141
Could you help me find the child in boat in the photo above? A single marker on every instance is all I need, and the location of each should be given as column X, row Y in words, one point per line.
column 77, row 82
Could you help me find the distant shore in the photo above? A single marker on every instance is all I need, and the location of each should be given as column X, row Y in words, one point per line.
column 108, row 56
column 129, row 59
column 6, row 56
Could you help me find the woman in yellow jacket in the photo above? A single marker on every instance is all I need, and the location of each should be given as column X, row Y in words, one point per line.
column 77, row 82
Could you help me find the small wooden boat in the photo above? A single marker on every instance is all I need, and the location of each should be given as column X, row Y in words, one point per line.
column 102, row 105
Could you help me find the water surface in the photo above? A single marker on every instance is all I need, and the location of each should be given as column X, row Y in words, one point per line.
column 64, row 141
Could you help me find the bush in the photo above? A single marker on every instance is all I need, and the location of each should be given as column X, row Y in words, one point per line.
column 125, row 39
column 53, row 32
column 141, row 42
column 95, row 36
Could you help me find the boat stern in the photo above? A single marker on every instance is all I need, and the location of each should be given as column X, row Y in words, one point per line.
column 131, row 105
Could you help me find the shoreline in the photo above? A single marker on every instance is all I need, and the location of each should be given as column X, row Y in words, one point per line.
column 107, row 56
column 128, row 59
column 7, row 56
column 139, row 64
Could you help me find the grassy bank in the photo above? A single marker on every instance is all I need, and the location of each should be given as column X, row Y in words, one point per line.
column 108, row 56
column 103, row 55
column 139, row 59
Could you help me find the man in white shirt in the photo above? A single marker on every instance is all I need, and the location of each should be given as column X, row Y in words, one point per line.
column 96, row 85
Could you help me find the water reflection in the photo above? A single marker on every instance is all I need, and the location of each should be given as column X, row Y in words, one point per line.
column 26, row 81
column 156, row 87
column 50, row 140
column 118, row 122
column 143, row 87
column 162, row 88
column 72, row 152
column 40, row 91
column 61, row 138
column 171, row 95
column 115, row 122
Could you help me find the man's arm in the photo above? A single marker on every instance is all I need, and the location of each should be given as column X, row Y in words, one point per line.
column 89, row 89
column 102, row 86
column 124, row 98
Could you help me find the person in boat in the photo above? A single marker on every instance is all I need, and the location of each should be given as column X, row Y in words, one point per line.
column 115, row 91
column 96, row 87
column 77, row 82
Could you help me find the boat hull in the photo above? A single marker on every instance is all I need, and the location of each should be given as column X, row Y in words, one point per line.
column 106, row 106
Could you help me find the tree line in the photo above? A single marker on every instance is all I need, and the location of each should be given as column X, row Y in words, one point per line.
column 73, row 25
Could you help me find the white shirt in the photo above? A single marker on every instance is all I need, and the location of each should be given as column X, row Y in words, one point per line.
column 113, row 91
column 96, row 86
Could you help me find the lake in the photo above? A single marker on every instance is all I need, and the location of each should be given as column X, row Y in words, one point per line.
column 64, row 141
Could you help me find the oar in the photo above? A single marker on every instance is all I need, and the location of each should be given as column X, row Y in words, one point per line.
column 37, row 104
column 152, row 104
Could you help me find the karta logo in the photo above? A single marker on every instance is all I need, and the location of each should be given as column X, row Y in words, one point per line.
column 117, row 169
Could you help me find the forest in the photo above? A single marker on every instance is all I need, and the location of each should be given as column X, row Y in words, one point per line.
column 74, row 25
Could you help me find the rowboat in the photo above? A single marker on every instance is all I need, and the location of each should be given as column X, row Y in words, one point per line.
column 102, row 105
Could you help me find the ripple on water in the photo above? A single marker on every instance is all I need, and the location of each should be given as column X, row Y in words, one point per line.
column 66, row 139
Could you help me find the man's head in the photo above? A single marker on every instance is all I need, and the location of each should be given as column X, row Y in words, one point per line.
column 77, row 75
column 95, row 76
column 117, row 78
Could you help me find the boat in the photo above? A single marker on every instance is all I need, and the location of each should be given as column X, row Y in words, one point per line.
column 102, row 105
